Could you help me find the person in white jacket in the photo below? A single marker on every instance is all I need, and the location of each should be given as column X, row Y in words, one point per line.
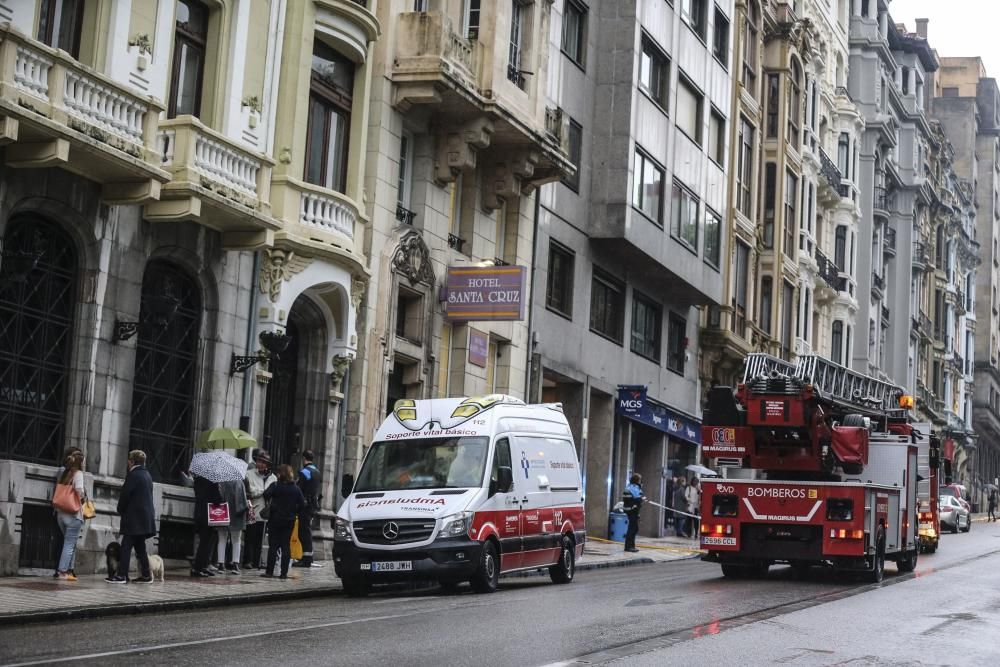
column 259, row 477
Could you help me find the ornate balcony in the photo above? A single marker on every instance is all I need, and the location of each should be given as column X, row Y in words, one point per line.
column 920, row 257
column 884, row 202
column 830, row 273
column 215, row 182
column 889, row 241
column 56, row 112
column 829, row 170
column 317, row 220
column 492, row 108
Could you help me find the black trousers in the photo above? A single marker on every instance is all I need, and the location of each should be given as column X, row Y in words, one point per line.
column 279, row 538
column 993, row 513
column 633, row 529
column 206, row 546
column 306, row 535
column 130, row 542
column 253, row 545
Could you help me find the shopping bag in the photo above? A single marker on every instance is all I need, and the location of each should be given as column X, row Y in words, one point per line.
column 218, row 514
column 295, row 548
column 66, row 499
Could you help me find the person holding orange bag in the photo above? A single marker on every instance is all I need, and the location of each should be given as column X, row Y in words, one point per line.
column 68, row 503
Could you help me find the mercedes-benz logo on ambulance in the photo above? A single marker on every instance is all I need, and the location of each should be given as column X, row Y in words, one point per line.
column 390, row 530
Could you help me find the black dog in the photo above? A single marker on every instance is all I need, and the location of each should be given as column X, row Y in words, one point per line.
column 112, row 556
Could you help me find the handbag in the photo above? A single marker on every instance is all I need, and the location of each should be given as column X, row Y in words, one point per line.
column 89, row 509
column 294, row 545
column 218, row 514
column 65, row 499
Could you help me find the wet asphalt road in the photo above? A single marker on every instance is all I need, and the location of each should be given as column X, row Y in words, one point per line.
column 682, row 612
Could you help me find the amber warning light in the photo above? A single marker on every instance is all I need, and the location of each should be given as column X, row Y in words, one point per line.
column 906, row 402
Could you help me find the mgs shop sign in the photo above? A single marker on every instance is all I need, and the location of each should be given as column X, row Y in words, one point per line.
column 633, row 403
column 490, row 293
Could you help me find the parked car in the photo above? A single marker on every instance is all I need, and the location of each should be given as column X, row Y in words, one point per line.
column 957, row 491
column 954, row 515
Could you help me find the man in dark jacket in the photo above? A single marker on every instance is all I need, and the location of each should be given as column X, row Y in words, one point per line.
column 680, row 504
column 135, row 507
column 309, row 482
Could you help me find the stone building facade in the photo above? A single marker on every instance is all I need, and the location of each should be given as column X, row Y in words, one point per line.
column 631, row 248
column 967, row 104
column 156, row 218
column 461, row 141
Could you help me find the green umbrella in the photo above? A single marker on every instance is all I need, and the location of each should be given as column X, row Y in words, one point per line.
column 225, row 438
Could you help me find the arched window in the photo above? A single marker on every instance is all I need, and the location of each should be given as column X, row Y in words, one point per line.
column 794, row 104
column 163, row 390
column 38, row 277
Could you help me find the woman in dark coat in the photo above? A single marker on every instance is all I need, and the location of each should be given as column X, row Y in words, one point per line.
column 135, row 507
column 287, row 503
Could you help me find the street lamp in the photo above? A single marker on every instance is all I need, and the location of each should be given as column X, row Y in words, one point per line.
column 160, row 310
column 274, row 344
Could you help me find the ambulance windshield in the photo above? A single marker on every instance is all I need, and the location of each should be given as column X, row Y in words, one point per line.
column 424, row 463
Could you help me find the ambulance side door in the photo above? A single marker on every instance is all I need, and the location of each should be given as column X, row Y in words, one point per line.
column 504, row 508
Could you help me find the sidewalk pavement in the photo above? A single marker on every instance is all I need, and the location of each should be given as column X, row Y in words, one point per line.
column 36, row 599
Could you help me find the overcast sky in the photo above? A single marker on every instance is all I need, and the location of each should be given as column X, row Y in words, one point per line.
column 957, row 27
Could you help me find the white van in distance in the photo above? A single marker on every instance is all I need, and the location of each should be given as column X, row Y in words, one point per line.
column 463, row 489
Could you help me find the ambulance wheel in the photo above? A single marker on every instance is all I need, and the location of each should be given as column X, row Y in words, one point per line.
column 563, row 571
column 908, row 563
column 877, row 573
column 354, row 587
column 487, row 576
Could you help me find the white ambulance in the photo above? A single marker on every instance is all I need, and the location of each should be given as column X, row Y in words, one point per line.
column 463, row 489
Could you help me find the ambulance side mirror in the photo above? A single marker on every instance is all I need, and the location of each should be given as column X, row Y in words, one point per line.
column 346, row 485
column 505, row 479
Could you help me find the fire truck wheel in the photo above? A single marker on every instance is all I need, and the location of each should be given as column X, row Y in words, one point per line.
column 487, row 577
column 733, row 571
column 908, row 563
column 800, row 569
column 355, row 588
column 877, row 573
column 563, row 571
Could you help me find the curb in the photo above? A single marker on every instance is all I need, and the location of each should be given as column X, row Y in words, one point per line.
column 130, row 609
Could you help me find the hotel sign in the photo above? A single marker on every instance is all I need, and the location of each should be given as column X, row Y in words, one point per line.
column 484, row 293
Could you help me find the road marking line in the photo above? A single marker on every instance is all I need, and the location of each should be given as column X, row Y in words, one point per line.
column 215, row 640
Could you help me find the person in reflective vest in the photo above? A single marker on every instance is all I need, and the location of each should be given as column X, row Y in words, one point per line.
column 632, row 499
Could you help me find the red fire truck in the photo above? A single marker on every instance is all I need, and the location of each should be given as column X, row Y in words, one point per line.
column 837, row 461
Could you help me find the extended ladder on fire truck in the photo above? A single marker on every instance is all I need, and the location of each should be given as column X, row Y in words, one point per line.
column 831, row 382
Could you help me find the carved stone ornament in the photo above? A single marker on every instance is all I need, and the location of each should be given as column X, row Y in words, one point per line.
column 357, row 291
column 277, row 267
column 341, row 363
column 412, row 259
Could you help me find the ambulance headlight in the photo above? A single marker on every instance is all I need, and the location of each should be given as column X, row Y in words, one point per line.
column 454, row 525
column 341, row 529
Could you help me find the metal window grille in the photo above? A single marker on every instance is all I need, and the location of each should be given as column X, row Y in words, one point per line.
column 38, row 276
column 163, row 393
